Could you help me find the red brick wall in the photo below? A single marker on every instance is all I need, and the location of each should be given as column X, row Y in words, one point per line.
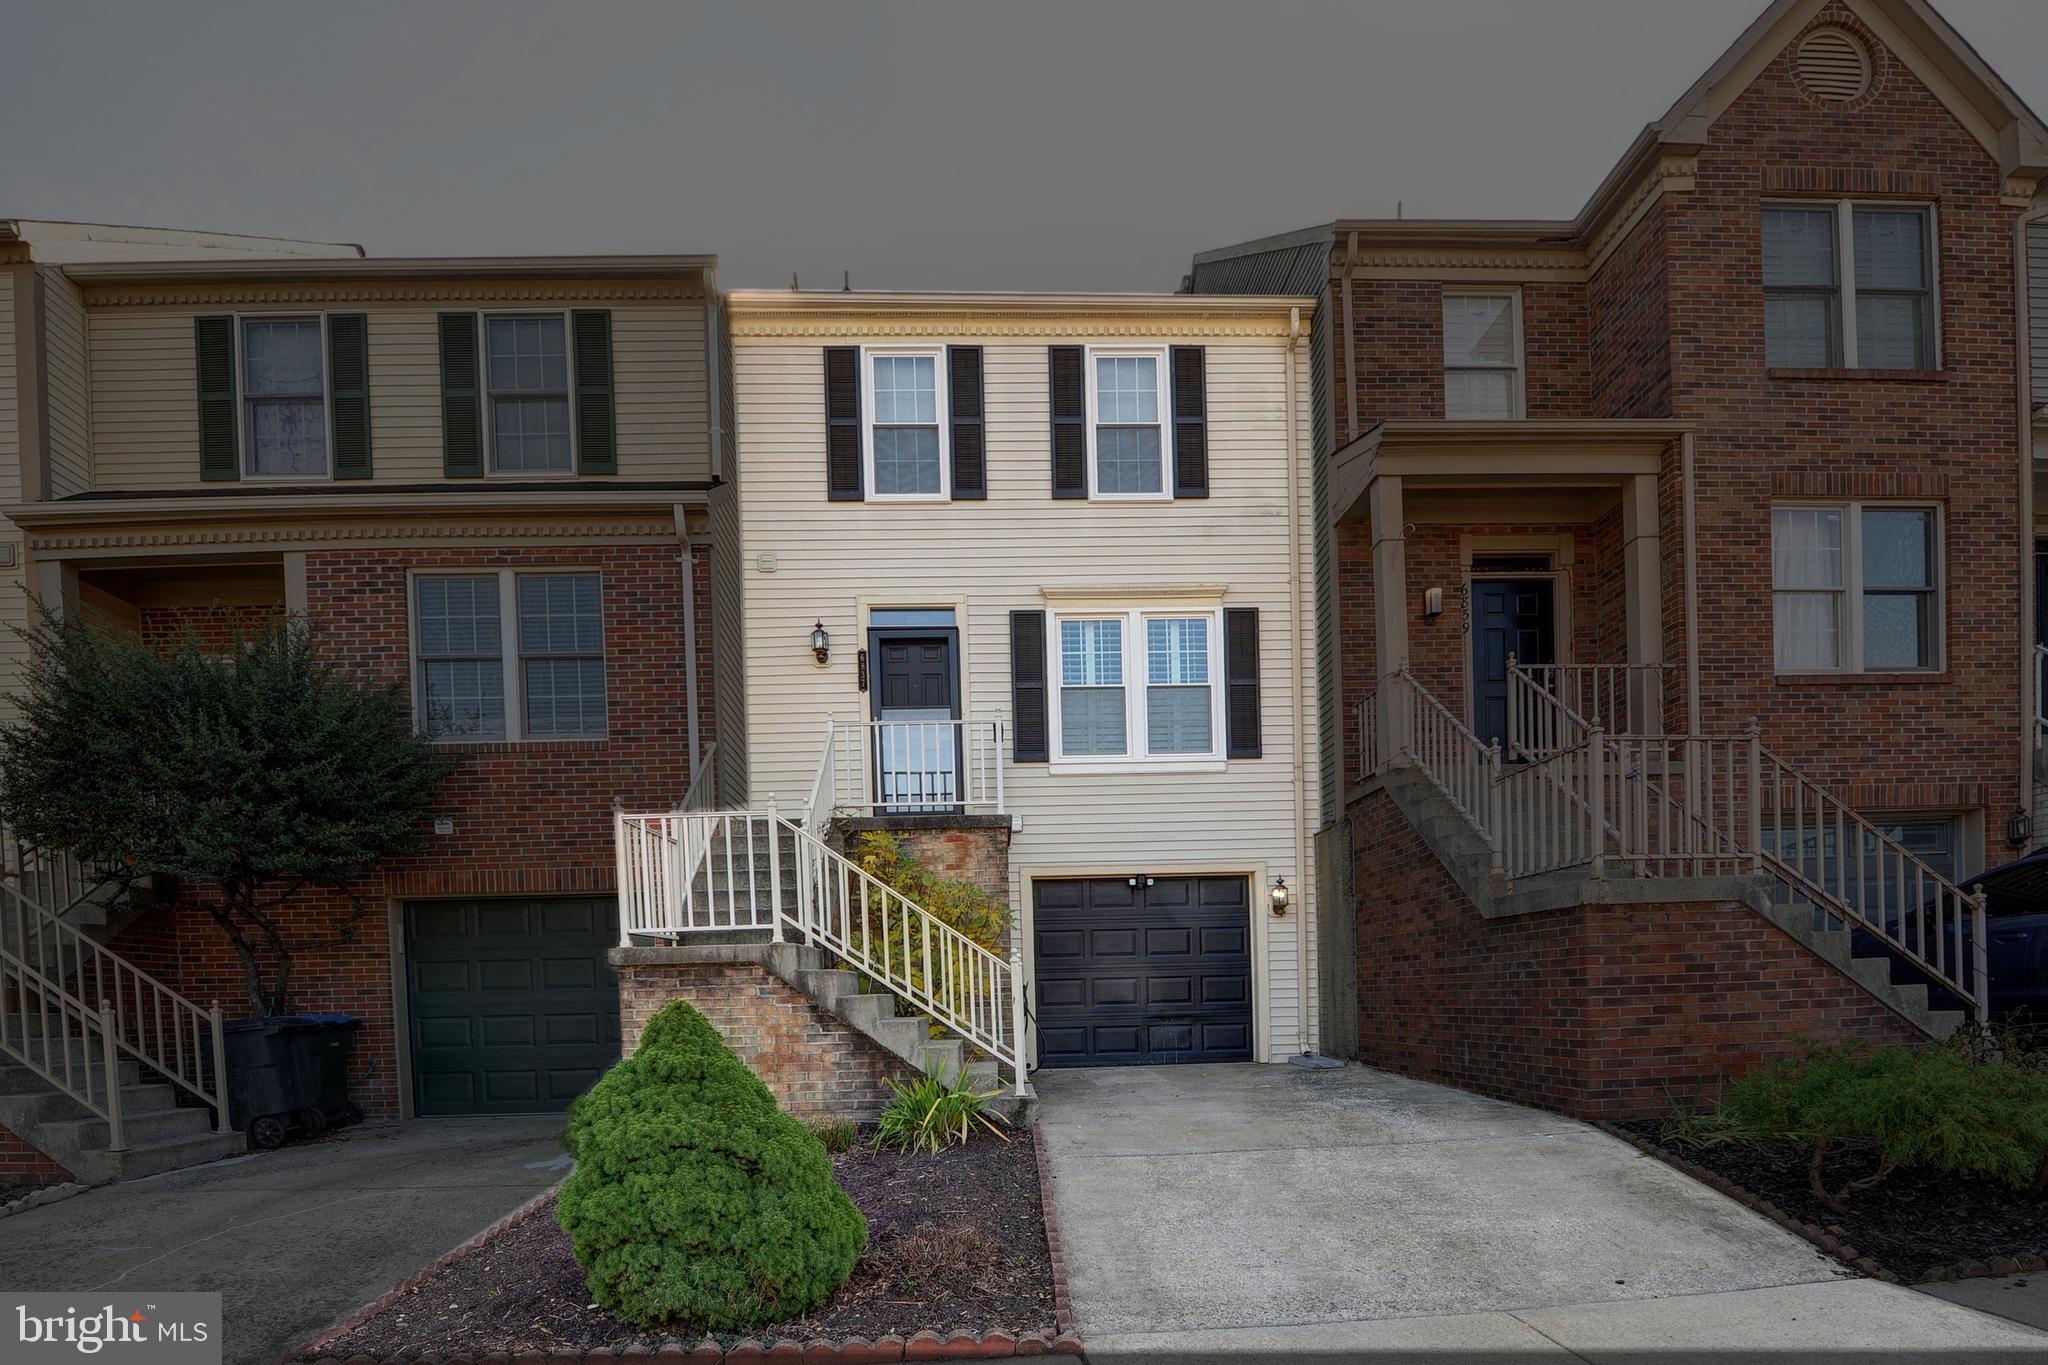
column 819, row 1067
column 1590, row 1010
column 21, row 1163
column 1631, row 325
column 215, row 627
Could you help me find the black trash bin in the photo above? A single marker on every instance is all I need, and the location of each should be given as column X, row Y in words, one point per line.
column 325, row 1043
column 288, row 1074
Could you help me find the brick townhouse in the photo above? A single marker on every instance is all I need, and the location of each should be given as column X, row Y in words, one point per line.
column 488, row 481
column 1742, row 444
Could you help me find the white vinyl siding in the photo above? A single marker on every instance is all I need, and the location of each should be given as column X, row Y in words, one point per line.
column 1856, row 588
column 1482, row 354
column 1850, row 285
column 64, row 369
column 508, row 654
column 145, row 424
column 984, row 560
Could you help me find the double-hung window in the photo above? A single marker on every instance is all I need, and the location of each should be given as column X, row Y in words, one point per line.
column 1849, row 286
column 906, row 414
column 1136, row 684
column 1856, row 588
column 550, row 682
column 284, row 397
column 1482, row 354
column 526, row 370
column 1126, row 438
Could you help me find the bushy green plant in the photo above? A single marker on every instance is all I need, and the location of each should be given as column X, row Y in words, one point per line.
column 961, row 905
column 1938, row 1108
column 931, row 1114
column 695, row 1199
column 836, row 1137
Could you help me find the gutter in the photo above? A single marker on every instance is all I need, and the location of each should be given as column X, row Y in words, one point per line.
column 1307, row 991
column 143, row 507
column 2023, row 370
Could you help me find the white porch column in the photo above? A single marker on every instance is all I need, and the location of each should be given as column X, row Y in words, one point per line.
column 56, row 586
column 1389, row 604
column 1643, row 574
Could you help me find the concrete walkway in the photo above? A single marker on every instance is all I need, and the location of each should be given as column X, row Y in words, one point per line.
column 295, row 1238
column 1265, row 1208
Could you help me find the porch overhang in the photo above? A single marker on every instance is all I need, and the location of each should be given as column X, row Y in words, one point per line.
column 1531, row 452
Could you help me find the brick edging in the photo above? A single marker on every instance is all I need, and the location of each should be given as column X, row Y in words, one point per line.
column 926, row 1345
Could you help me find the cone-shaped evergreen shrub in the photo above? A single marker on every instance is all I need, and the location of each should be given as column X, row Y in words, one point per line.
column 697, row 1200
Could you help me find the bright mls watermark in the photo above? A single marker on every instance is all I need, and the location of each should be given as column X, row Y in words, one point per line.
column 126, row 1328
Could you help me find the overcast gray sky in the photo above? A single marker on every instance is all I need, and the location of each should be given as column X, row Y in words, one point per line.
column 1041, row 145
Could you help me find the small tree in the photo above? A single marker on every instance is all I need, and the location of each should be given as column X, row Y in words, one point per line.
column 259, row 772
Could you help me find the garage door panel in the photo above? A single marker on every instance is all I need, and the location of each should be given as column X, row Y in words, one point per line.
column 502, row 920
column 1163, row 971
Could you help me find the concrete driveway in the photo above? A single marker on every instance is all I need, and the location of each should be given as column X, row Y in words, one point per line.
column 295, row 1238
column 1269, row 1208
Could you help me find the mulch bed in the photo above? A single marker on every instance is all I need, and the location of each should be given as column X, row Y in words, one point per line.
column 1917, row 1225
column 956, row 1242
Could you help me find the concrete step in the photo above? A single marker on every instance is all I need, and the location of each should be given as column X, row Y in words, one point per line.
column 945, row 1058
column 866, row 1012
column 904, row 1037
column 53, row 1105
column 154, row 1158
column 155, row 1125
column 826, row 986
column 15, row 1078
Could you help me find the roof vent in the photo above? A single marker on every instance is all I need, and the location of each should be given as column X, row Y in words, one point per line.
column 1834, row 65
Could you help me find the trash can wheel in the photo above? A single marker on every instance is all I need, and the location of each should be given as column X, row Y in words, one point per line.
column 270, row 1131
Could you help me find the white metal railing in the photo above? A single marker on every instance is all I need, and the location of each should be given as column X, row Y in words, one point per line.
column 1551, row 705
column 758, row 870
column 51, row 975
column 702, row 793
column 1368, row 736
column 919, row 766
column 824, row 797
column 1695, row 806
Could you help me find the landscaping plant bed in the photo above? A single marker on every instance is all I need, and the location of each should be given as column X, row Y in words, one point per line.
column 956, row 1244
column 1917, row 1225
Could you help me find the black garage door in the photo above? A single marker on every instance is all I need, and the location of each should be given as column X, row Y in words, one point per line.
column 1136, row 970
column 514, row 1008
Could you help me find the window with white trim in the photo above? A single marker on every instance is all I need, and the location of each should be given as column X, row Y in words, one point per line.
column 1482, row 354
column 1849, row 286
column 1856, row 588
column 1136, row 684
column 470, row 687
column 526, row 374
column 284, row 396
column 1126, row 430
column 905, row 416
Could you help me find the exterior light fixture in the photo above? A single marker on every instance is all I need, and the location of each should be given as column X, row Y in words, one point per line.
column 821, row 642
column 2019, row 827
column 1432, row 603
column 1278, row 895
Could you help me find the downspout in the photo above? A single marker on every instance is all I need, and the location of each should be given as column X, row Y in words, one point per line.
column 1350, row 378
column 689, row 562
column 1692, row 586
column 2023, row 349
column 1296, row 544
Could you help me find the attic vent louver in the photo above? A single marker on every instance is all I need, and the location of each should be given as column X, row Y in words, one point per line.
column 1833, row 65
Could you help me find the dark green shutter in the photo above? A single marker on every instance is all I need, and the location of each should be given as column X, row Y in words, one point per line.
column 842, row 423
column 462, row 425
column 213, row 340
column 1190, row 423
column 348, row 368
column 1069, row 422
column 968, row 419
column 1029, row 738
column 1241, row 672
column 597, row 425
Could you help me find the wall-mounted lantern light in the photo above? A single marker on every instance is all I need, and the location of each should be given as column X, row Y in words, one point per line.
column 2019, row 827
column 1279, row 895
column 1432, row 603
column 821, row 642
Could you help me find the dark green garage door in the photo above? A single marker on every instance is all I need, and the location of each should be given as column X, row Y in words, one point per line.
column 1137, row 970
column 514, row 1008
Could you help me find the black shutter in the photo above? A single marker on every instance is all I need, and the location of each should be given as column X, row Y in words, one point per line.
column 462, row 425
column 1027, row 687
column 1241, row 670
column 970, row 446
column 1069, row 423
column 348, row 368
column 1190, row 423
column 213, row 340
column 842, row 423
column 597, row 427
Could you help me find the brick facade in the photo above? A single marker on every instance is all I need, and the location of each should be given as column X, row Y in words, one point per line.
column 819, row 1067
column 1597, row 1011
column 22, row 1163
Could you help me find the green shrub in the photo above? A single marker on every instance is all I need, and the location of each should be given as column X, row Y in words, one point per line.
column 695, row 1199
column 930, row 1115
column 961, row 905
column 1939, row 1108
column 836, row 1137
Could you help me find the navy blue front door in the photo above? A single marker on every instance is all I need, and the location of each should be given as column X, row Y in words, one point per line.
column 1509, row 616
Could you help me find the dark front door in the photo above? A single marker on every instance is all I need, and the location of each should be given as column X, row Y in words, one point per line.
column 1138, row 970
column 917, row 682
column 514, row 1007
column 1509, row 616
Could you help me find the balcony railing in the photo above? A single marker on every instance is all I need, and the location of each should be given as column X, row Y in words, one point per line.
column 1548, row 704
column 920, row 767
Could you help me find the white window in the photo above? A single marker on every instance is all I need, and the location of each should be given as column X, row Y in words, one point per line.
column 1126, row 433
column 1136, row 685
column 906, row 414
column 284, row 397
column 471, row 687
column 1877, row 313
column 526, row 374
column 1856, row 588
column 1482, row 354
